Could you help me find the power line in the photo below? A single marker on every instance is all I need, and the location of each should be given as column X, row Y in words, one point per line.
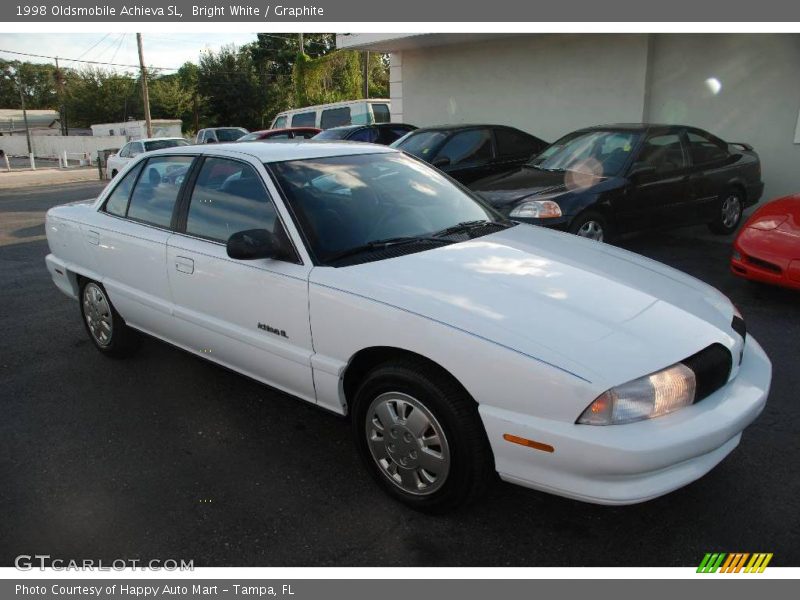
column 91, row 62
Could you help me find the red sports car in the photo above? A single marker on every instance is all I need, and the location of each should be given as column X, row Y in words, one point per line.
column 767, row 248
column 289, row 133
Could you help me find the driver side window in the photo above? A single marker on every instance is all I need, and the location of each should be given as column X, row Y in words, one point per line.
column 230, row 197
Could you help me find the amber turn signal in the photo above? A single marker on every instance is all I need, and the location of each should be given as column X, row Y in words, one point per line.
column 515, row 439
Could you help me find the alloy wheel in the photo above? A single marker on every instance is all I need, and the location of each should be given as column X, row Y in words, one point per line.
column 731, row 211
column 592, row 230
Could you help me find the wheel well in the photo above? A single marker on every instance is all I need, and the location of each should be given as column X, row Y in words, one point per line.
column 738, row 185
column 367, row 359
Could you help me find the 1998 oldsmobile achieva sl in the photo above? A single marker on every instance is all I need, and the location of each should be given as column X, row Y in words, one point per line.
column 460, row 343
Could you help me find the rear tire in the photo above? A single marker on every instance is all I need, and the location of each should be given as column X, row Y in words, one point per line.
column 421, row 437
column 591, row 225
column 729, row 213
column 106, row 328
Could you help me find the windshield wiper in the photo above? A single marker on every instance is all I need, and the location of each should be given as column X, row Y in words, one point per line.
column 540, row 168
column 381, row 244
column 466, row 226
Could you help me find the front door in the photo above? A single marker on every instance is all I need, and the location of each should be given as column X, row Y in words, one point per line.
column 250, row 315
column 658, row 195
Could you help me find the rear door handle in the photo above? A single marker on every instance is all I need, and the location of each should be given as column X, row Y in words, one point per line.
column 184, row 265
column 93, row 238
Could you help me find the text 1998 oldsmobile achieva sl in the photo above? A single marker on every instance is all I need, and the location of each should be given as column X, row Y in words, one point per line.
column 458, row 342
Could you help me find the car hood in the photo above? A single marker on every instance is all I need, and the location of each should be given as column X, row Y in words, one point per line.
column 511, row 187
column 603, row 314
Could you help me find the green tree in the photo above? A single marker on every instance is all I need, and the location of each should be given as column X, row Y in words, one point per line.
column 233, row 88
column 38, row 85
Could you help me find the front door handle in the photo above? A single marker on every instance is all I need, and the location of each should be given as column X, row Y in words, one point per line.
column 93, row 238
column 184, row 265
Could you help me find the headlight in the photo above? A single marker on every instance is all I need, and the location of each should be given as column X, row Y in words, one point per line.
column 645, row 398
column 537, row 209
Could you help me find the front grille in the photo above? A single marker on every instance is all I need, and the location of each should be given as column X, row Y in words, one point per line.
column 739, row 327
column 763, row 264
column 711, row 368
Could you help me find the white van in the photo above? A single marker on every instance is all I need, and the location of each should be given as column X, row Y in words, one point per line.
column 325, row 116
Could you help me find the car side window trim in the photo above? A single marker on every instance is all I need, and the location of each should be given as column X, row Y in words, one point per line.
column 102, row 208
column 141, row 165
column 184, row 199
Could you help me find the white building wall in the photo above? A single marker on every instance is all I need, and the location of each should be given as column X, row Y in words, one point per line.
column 545, row 84
column 758, row 99
column 52, row 146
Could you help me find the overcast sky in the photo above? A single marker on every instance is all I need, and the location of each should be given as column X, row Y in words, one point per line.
column 160, row 49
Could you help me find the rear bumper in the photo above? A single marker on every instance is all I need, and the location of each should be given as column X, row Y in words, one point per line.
column 64, row 280
column 635, row 462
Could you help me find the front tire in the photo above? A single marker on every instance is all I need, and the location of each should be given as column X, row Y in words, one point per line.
column 591, row 225
column 106, row 328
column 421, row 437
column 729, row 213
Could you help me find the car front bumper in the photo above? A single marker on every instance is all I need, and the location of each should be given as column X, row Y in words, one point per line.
column 634, row 462
column 752, row 261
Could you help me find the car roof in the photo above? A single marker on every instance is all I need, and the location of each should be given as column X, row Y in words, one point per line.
column 464, row 126
column 365, row 125
column 285, row 130
column 156, row 139
column 636, row 126
column 282, row 150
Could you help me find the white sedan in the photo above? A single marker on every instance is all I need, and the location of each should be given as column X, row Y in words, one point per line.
column 116, row 162
column 459, row 343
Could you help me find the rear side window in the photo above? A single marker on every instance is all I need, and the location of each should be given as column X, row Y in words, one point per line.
column 467, row 147
column 368, row 134
column 335, row 117
column 229, row 197
column 306, row 119
column 156, row 191
column 706, row 149
column 381, row 113
column 279, row 123
column 387, row 135
column 117, row 203
column 512, row 143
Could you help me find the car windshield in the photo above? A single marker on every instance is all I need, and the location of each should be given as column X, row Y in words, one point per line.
column 333, row 134
column 599, row 152
column 161, row 144
column 343, row 203
column 421, row 144
column 229, row 135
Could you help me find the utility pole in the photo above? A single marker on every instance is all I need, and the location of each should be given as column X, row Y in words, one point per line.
column 366, row 74
column 62, row 109
column 24, row 111
column 302, row 43
column 145, row 92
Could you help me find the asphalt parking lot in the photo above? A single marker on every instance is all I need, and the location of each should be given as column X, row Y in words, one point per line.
column 167, row 456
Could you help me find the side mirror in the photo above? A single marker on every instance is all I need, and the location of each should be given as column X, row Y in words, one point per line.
column 639, row 172
column 440, row 162
column 252, row 244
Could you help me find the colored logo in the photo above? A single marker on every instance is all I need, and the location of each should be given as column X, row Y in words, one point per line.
column 736, row 562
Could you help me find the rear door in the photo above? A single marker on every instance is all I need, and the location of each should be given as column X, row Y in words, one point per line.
column 130, row 241
column 250, row 315
column 467, row 155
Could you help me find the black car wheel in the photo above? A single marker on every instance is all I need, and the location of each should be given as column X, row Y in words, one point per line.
column 420, row 435
column 591, row 225
column 729, row 213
